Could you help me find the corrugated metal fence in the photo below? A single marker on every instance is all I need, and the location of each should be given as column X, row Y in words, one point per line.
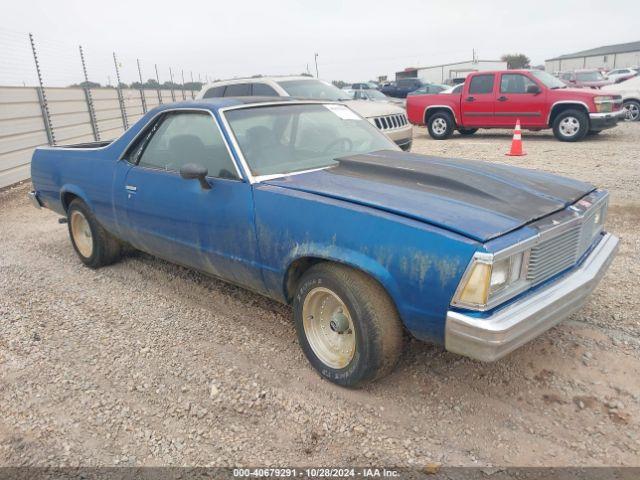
column 72, row 115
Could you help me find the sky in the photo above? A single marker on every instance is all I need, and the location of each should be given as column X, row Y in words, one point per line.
column 355, row 41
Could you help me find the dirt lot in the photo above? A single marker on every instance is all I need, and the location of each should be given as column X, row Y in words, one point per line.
column 146, row 363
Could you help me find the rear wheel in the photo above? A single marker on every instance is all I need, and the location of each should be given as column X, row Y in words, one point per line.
column 467, row 131
column 94, row 245
column 632, row 108
column 571, row 125
column 347, row 325
column 440, row 125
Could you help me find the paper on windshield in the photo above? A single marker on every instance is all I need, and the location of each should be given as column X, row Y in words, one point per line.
column 343, row 112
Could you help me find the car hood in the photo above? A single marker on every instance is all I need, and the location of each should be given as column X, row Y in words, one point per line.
column 369, row 109
column 479, row 200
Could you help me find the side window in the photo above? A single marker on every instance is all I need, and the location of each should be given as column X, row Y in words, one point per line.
column 238, row 90
column 481, row 84
column 264, row 90
column 214, row 92
column 188, row 137
column 566, row 76
column 515, row 83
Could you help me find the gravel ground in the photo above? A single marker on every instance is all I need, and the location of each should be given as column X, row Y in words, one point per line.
column 147, row 363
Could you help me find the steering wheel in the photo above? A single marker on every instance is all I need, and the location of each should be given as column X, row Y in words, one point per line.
column 345, row 141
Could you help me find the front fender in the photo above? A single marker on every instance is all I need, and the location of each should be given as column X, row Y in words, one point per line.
column 345, row 256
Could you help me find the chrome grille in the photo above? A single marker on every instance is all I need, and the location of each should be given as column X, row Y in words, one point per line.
column 389, row 122
column 562, row 251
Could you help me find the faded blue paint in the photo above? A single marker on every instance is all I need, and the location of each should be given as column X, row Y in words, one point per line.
column 251, row 234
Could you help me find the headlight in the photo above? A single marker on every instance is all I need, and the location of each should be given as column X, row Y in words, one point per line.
column 488, row 280
column 604, row 104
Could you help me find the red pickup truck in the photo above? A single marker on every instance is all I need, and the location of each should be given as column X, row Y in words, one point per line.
column 497, row 99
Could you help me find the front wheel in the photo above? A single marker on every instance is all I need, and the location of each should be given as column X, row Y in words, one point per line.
column 94, row 245
column 440, row 125
column 632, row 109
column 347, row 325
column 571, row 125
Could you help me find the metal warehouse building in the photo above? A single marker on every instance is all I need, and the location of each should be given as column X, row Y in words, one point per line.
column 607, row 57
column 440, row 73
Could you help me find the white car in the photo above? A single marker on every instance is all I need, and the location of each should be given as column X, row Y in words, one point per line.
column 630, row 91
column 390, row 119
column 620, row 74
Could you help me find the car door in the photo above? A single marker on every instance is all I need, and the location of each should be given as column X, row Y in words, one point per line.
column 209, row 227
column 514, row 103
column 477, row 101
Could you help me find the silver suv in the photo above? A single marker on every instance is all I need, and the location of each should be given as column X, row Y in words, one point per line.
column 390, row 119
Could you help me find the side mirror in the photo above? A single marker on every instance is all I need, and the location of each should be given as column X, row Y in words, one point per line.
column 193, row 171
column 535, row 89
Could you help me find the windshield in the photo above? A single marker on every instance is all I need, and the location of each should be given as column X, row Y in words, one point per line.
column 549, row 80
column 289, row 138
column 313, row 90
column 589, row 76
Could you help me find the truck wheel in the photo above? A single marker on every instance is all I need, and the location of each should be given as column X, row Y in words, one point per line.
column 467, row 131
column 347, row 325
column 440, row 125
column 633, row 110
column 94, row 245
column 571, row 126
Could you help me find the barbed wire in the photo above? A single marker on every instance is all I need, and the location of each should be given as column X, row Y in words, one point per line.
column 61, row 66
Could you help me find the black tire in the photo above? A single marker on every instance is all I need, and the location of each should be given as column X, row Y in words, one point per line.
column 591, row 133
column 633, row 110
column 441, row 125
column 577, row 119
column 467, row 131
column 105, row 248
column 376, row 324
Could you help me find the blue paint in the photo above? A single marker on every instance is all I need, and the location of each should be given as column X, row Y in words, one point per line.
column 416, row 246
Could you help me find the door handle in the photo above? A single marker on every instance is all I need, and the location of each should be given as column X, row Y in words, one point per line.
column 470, row 99
column 131, row 188
column 502, row 99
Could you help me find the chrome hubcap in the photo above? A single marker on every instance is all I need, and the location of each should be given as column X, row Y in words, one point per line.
column 633, row 112
column 328, row 327
column 569, row 126
column 439, row 126
column 81, row 232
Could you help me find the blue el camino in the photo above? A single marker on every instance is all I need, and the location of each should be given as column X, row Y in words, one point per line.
column 309, row 204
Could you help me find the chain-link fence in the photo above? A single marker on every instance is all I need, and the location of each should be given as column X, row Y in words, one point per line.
column 54, row 92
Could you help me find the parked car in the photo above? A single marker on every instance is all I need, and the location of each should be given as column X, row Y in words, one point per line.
column 585, row 78
column 309, row 204
column 429, row 88
column 391, row 119
column 454, row 89
column 364, row 86
column 376, row 96
column 402, row 87
column 630, row 92
column 499, row 99
column 621, row 74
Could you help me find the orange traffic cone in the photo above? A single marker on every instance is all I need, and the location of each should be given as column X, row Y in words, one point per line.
column 516, row 143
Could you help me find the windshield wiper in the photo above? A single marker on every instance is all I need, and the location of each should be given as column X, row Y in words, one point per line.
column 556, row 88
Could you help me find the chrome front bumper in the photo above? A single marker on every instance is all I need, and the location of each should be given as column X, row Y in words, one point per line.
column 490, row 338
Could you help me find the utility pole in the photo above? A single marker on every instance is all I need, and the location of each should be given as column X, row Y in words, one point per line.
column 316, row 59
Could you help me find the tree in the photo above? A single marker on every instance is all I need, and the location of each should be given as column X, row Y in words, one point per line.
column 88, row 84
column 516, row 60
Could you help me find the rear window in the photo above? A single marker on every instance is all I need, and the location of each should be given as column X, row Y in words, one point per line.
column 408, row 83
column 214, row 92
column 238, row 90
column 481, row 84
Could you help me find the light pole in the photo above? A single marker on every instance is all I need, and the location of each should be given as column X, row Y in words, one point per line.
column 316, row 59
